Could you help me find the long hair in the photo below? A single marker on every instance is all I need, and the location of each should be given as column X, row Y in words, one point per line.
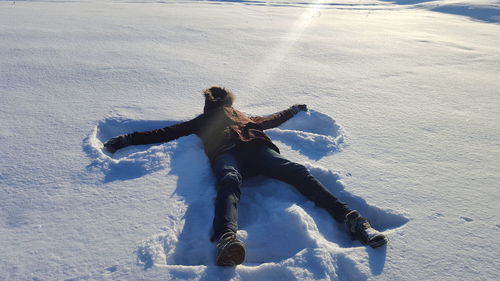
column 217, row 96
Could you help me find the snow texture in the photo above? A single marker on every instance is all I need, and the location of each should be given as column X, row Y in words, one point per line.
column 403, row 126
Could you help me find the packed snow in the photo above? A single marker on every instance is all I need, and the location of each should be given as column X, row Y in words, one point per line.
column 403, row 126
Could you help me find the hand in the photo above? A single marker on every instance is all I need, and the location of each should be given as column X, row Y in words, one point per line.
column 116, row 143
column 298, row 107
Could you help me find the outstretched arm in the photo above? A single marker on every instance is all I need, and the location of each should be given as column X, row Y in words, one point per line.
column 155, row 136
column 276, row 119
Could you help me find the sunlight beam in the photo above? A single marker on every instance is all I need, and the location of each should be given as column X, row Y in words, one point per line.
column 268, row 68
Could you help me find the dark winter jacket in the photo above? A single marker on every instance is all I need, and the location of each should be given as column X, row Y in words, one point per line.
column 219, row 129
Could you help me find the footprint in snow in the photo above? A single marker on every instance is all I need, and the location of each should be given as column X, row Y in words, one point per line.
column 466, row 219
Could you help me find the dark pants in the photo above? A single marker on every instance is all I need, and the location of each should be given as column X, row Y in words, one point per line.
column 250, row 159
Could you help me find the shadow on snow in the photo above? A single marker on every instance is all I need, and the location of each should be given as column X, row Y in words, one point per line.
column 481, row 13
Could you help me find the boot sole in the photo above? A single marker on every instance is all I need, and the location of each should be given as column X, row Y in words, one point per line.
column 233, row 255
column 376, row 242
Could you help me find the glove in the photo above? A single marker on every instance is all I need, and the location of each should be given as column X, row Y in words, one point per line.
column 116, row 143
column 298, row 107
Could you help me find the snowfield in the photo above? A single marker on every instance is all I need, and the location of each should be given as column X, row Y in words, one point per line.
column 403, row 125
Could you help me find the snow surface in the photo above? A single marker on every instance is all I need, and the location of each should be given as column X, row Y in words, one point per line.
column 404, row 126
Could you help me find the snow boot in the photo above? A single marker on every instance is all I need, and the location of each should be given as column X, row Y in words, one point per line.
column 230, row 250
column 360, row 229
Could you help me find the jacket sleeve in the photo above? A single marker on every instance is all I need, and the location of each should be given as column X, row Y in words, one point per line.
column 273, row 120
column 165, row 134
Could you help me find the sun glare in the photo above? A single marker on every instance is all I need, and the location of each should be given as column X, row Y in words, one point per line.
column 268, row 68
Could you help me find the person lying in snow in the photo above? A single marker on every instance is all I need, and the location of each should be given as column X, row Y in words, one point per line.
column 238, row 148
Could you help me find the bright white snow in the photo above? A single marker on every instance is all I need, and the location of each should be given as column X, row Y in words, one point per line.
column 405, row 104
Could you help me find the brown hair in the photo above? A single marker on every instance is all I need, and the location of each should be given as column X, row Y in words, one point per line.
column 219, row 95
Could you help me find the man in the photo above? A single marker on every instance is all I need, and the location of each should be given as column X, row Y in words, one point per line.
column 238, row 148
